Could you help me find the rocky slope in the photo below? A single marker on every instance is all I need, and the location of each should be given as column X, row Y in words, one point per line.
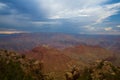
column 58, row 61
column 55, row 62
column 87, row 54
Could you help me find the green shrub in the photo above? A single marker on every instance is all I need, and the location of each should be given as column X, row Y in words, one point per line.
column 12, row 71
column 85, row 75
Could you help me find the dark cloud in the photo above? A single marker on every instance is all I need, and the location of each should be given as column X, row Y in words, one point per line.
column 30, row 16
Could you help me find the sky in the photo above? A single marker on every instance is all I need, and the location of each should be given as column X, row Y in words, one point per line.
column 64, row 16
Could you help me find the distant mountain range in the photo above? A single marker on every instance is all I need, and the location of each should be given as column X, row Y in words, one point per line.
column 27, row 41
